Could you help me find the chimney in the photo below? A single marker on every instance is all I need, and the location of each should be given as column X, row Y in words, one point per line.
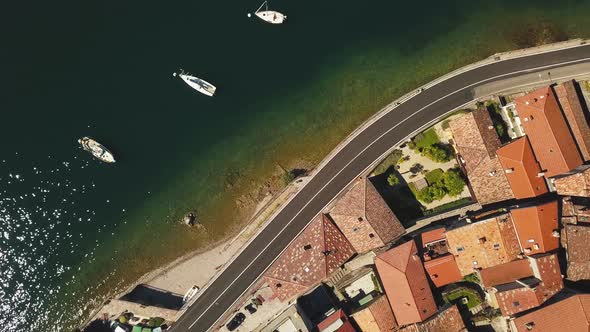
column 555, row 233
column 509, row 170
column 540, row 174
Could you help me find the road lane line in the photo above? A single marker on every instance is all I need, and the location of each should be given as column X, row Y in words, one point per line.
column 355, row 158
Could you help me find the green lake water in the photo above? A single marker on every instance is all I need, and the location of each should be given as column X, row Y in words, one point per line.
column 73, row 230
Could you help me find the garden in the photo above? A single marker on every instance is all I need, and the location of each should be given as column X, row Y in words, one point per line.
column 457, row 296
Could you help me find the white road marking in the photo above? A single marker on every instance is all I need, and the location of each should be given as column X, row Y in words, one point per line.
column 352, row 160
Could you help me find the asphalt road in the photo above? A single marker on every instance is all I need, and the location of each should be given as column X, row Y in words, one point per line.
column 346, row 165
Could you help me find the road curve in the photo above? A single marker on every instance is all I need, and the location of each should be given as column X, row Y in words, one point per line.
column 346, row 165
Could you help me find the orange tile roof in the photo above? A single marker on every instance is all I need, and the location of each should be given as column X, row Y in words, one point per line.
column 476, row 140
column 446, row 320
column 434, row 235
column 574, row 183
column 365, row 218
column 506, row 273
column 317, row 252
column 522, row 169
column 443, row 270
column 548, row 132
column 575, row 115
column 337, row 318
column 535, row 225
column 571, row 315
column 405, row 284
column 383, row 315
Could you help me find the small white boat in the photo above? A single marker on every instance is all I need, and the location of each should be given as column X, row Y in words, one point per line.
column 96, row 149
column 270, row 16
column 198, row 84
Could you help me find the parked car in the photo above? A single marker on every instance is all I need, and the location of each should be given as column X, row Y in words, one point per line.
column 236, row 321
column 251, row 308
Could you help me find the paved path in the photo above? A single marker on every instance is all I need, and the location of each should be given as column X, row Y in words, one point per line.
column 351, row 161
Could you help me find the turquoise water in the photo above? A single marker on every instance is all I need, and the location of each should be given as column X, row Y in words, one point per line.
column 73, row 230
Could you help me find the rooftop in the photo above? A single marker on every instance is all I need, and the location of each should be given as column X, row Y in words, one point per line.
column 578, row 255
column 405, row 284
column 548, row 132
column 483, row 244
column 571, row 315
column 574, row 183
column 476, row 141
column 365, row 218
column 337, row 322
column 317, row 252
column 576, row 116
column 376, row 317
column 506, row 273
column 521, row 169
column 447, row 320
column 535, row 226
column 443, row 270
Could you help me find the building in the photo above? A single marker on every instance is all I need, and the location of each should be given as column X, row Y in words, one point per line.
column 574, row 183
column 476, row 142
column 446, row 320
column 317, row 252
column 576, row 116
column 522, row 169
column 483, row 244
column 577, row 238
column 548, row 132
column 571, row 315
column 288, row 321
column 438, row 261
column 522, row 284
column 405, row 284
column 365, row 218
column 316, row 306
column 376, row 317
column 337, row 322
column 575, row 210
column 537, row 227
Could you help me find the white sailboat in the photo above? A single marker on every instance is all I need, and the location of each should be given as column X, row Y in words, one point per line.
column 269, row 16
column 196, row 83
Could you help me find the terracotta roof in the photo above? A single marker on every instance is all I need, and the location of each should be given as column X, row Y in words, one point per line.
column 405, row 284
column 506, row 273
column 336, row 322
column 317, row 252
column 571, row 315
column 576, row 117
column 434, row 235
column 476, row 141
column 483, row 244
column 535, row 225
column 365, row 218
column 578, row 255
column 443, row 270
column 574, row 183
column 521, row 169
column 383, row 315
column 550, row 137
column 447, row 320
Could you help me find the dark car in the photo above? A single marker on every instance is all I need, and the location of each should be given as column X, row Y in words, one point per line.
column 236, row 321
column 251, row 308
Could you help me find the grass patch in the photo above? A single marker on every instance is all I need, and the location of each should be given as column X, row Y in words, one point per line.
column 445, row 124
column 455, row 296
column 471, row 278
column 434, row 176
column 426, row 139
column 388, row 162
column 448, row 206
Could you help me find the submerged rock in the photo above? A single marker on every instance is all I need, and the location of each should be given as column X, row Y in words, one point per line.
column 190, row 219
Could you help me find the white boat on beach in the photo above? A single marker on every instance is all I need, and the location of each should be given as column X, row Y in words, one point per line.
column 96, row 149
column 270, row 16
column 196, row 83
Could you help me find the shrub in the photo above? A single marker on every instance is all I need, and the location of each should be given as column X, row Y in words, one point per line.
column 434, row 176
column 426, row 138
column 390, row 161
column 393, row 180
column 431, row 193
column 471, row 278
column 453, row 182
column 411, row 145
column 156, row 321
column 437, row 152
column 416, row 168
column 445, row 125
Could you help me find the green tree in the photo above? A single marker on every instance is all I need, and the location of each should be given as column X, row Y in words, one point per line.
column 393, row 180
column 436, row 153
column 431, row 193
column 453, row 182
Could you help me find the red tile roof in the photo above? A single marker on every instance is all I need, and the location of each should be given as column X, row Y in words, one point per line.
column 476, row 141
column 365, row 218
column 317, row 252
column 405, row 284
column 550, row 137
column 447, row 320
column 535, row 225
column 578, row 253
column 443, row 270
column 522, row 169
column 570, row 315
column 575, row 115
column 336, row 319
column 383, row 315
column 506, row 273
column 434, row 235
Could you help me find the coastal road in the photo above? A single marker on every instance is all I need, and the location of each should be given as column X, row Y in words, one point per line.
column 358, row 154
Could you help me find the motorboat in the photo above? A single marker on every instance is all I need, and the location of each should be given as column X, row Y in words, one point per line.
column 96, row 149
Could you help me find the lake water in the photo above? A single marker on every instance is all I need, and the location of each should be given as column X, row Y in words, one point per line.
column 73, row 230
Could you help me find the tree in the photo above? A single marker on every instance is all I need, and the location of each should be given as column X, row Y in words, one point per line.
column 393, row 180
column 437, row 153
column 453, row 182
column 431, row 193
column 416, row 168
